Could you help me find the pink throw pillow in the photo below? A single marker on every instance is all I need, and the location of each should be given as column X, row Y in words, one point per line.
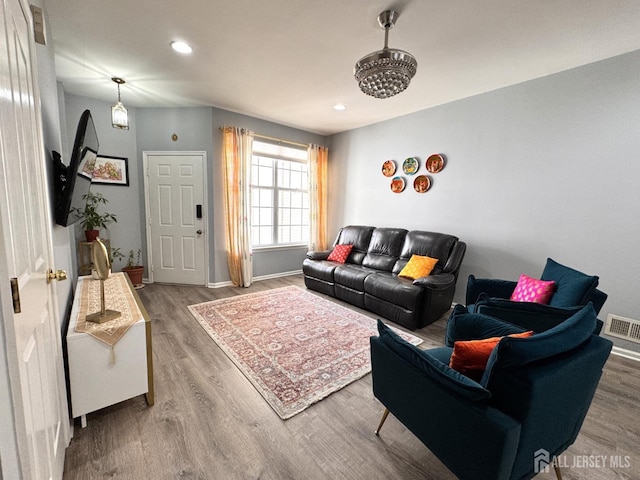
column 340, row 253
column 533, row 290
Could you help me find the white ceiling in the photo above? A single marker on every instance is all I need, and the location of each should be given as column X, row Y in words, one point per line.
column 290, row 61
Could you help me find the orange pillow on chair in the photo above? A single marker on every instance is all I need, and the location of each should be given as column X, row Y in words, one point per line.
column 470, row 357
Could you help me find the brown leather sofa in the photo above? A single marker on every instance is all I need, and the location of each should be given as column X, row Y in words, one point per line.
column 369, row 278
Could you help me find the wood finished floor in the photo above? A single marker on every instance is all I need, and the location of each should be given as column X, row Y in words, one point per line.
column 208, row 422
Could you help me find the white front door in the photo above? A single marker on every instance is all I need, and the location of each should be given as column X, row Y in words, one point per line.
column 32, row 338
column 176, row 212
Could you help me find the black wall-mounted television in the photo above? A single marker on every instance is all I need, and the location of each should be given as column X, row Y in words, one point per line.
column 72, row 182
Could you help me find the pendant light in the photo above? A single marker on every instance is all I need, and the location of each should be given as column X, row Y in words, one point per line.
column 119, row 116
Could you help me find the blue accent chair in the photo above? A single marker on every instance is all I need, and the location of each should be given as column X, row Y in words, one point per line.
column 532, row 398
column 573, row 290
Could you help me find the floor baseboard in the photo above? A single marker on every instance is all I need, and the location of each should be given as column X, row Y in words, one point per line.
column 256, row 279
column 625, row 353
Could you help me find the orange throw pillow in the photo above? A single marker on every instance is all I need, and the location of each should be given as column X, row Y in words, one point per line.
column 470, row 357
column 418, row 266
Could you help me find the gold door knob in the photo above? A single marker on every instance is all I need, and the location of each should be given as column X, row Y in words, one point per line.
column 57, row 275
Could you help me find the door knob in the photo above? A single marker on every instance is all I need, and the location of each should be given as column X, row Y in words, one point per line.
column 199, row 232
column 57, row 275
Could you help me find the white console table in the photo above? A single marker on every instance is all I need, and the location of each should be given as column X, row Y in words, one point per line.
column 100, row 376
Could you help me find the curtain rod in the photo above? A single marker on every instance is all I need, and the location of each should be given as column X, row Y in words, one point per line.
column 279, row 140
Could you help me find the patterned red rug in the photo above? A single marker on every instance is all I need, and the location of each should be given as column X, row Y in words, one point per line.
column 295, row 347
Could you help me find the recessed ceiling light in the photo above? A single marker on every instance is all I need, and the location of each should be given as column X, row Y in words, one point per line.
column 181, row 47
column 339, row 106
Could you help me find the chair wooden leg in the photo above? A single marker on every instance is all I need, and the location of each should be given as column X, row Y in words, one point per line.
column 384, row 417
column 557, row 469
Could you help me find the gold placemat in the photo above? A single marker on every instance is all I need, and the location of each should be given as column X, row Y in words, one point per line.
column 118, row 297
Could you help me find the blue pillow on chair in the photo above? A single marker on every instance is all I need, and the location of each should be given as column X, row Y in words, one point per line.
column 572, row 287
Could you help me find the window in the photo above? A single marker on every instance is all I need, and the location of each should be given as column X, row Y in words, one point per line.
column 279, row 195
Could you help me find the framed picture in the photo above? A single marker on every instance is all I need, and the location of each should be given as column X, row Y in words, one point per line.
column 111, row 170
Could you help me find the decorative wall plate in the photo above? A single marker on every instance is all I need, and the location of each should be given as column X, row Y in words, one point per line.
column 435, row 163
column 389, row 168
column 397, row 184
column 422, row 183
column 410, row 165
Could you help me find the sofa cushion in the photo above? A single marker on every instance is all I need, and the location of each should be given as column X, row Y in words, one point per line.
column 340, row 253
column 393, row 289
column 352, row 276
column 572, row 287
column 533, row 290
column 384, row 248
column 418, row 267
column 358, row 236
column 426, row 244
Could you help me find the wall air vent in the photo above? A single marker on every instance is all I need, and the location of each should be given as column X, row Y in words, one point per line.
column 622, row 327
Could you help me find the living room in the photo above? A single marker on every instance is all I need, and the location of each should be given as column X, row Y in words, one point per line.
column 539, row 168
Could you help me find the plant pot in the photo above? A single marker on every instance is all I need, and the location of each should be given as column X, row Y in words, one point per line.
column 91, row 235
column 135, row 274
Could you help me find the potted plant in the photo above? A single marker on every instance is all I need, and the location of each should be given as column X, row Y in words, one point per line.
column 134, row 269
column 92, row 220
column 115, row 254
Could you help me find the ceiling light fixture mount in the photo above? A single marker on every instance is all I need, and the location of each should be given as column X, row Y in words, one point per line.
column 119, row 115
column 181, row 47
column 386, row 72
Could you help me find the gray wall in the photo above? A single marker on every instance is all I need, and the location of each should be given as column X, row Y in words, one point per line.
column 123, row 201
column 155, row 126
column 52, row 137
column 546, row 168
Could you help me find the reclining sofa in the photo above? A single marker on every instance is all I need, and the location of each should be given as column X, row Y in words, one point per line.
column 369, row 277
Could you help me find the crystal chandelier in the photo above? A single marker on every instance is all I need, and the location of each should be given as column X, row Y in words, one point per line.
column 387, row 72
column 119, row 115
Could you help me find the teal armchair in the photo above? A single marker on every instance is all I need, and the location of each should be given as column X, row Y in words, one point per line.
column 573, row 290
column 532, row 398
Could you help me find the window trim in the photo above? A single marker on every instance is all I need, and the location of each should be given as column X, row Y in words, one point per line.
column 275, row 188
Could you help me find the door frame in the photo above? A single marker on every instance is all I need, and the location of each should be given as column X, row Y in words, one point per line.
column 205, row 205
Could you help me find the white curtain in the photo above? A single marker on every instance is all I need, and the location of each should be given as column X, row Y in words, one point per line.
column 236, row 168
column 318, row 160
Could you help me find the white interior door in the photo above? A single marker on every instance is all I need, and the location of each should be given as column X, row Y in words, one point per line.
column 176, row 211
column 32, row 336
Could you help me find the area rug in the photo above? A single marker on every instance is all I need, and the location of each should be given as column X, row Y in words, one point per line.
column 295, row 347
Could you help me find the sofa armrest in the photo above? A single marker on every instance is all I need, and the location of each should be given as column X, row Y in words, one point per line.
column 492, row 287
column 455, row 259
column 318, row 255
column 463, row 325
column 531, row 316
column 440, row 281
